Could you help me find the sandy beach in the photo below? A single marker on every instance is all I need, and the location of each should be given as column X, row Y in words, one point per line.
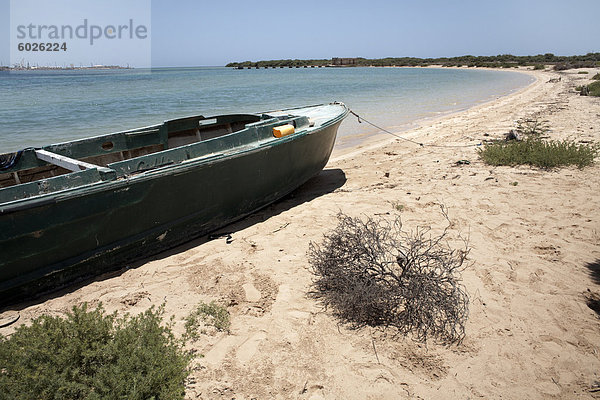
column 533, row 266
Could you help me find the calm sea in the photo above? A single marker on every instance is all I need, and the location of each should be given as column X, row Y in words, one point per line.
column 44, row 107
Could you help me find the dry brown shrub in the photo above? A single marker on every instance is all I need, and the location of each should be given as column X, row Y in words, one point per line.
column 371, row 273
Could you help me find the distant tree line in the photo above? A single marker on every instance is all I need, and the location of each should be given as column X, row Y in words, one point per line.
column 500, row 61
column 280, row 63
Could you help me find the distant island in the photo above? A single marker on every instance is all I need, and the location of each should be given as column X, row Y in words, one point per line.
column 499, row 61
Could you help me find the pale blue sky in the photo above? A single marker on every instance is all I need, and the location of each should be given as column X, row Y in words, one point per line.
column 190, row 33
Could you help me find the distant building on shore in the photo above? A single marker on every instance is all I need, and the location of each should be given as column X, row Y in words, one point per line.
column 344, row 61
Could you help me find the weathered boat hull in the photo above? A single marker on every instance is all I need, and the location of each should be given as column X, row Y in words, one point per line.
column 93, row 230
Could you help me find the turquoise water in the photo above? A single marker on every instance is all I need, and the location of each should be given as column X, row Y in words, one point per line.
column 43, row 107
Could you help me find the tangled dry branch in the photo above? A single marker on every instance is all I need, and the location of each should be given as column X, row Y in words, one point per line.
column 371, row 273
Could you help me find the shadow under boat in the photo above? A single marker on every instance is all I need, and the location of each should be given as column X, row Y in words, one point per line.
column 594, row 271
column 592, row 297
column 326, row 181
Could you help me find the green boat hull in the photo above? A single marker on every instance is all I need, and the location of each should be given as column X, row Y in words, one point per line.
column 56, row 240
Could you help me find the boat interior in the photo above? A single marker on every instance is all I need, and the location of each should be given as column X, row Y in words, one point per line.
column 36, row 171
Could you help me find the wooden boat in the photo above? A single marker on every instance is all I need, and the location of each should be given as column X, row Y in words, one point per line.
column 80, row 208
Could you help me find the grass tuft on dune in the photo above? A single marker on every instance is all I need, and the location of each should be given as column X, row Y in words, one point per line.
column 539, row 153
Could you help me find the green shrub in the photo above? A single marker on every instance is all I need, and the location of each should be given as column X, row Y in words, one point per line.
column 539, row 66
column 398, row 207
column 539, row 153
column 91, row 355
column 211, row 314
column 596, row 77
column 594, row 89
column 582, row 72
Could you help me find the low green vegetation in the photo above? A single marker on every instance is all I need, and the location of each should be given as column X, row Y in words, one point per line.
column 560, row 63
column 538, row 153
column 398, row 206
column 91, row 355
column 537, row 67
column 583, row 72
column 211, row 314
column 596, row 77
column 594, row 89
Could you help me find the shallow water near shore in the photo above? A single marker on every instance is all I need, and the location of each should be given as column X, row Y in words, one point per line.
column 43, row 107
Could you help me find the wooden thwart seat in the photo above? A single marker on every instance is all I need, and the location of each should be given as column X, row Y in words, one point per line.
column 74, row 165
column 65, row 162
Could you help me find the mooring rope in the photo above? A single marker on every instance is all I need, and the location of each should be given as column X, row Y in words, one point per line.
column 361, row 119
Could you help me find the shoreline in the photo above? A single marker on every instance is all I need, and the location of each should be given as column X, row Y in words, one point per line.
column 534, row 237
column 380, row 139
